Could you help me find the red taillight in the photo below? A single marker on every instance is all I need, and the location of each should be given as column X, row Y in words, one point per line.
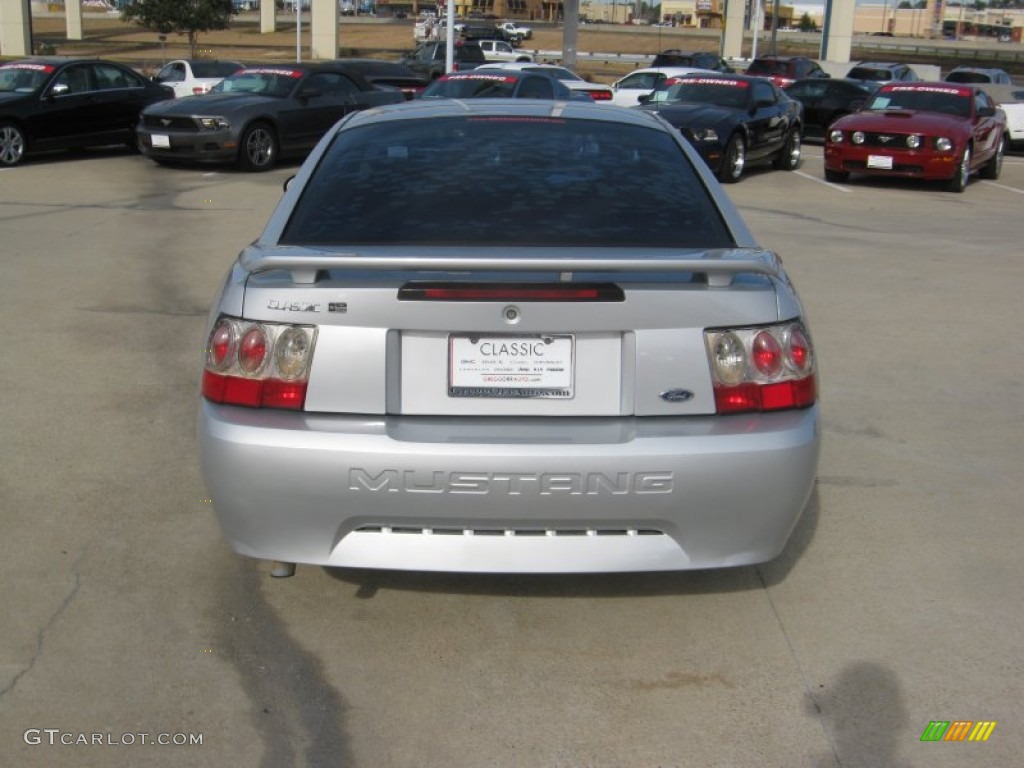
column 761, row 369
column 252, row 351
column 268, row 367
column 222, row 346
column 601, row 95
column 767, row 354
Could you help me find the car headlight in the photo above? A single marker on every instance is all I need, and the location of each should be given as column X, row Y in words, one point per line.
column 943, row 144
column 213, row 123
column 835, row 136
column 913, row 141
column 858, row 137
column 705, row 134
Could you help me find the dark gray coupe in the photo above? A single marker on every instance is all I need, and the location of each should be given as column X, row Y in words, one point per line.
column 258, row 115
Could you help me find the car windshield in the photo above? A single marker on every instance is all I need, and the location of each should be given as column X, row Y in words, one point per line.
column 265, row 81
column 968, row 77
column 23, row 78
column 870, row 73
column 722, row 93
column 472, row 86
column 769, row 67
column 215, row 68
column 558, row 73
column 491, row 181
column 951, row 101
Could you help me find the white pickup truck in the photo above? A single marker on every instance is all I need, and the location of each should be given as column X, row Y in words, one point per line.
column 499, row 50
column 515, row 31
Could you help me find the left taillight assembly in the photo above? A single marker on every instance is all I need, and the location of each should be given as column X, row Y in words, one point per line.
column 258, row 365
column 766, row 368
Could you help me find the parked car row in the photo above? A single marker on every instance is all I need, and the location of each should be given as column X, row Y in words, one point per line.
column 252, row 117
column 256, row 115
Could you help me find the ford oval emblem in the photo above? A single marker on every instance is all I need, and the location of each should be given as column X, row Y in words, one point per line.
column 676, row 395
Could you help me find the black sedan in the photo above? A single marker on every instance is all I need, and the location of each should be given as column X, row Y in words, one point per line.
column 825, row 101
column 258, row 115
column 732, row 120
column 58, row 103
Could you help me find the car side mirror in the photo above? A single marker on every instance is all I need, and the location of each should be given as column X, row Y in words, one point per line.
column 644, row 98
column 986, row 111
column 288, row 182
column 59, row 89
column 310, row 93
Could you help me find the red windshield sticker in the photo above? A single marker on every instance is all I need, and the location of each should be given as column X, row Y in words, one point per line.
column 270, row 71
column 927, row 89
column 491, row 78
column 709, row 81
column 33, row 67
column 515, row 119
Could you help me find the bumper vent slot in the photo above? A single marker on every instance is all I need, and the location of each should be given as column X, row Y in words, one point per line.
column 402, row 530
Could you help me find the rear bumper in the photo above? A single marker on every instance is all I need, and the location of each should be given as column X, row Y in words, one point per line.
column 508, row 495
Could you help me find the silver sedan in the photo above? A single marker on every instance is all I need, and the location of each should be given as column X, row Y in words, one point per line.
column 581, row 361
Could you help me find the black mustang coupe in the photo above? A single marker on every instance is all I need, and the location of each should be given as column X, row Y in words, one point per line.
column 732, row 120
column 258, row 115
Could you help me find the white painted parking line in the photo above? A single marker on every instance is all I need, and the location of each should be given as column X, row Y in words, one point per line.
column 821, row 181
column 1003, row 186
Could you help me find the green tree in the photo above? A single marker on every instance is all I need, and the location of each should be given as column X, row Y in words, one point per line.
column 807, row 23
column 180, row 17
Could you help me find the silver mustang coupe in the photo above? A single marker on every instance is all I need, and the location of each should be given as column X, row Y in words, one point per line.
column 579, row 362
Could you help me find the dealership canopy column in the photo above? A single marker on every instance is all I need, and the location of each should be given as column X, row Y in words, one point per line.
column 837, row 31
column 268, row 17
column 324, row 35
column 15, row 39
column 732, row 35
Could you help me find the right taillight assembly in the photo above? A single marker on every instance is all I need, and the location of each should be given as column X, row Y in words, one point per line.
column 764, row 368
column 258, row 365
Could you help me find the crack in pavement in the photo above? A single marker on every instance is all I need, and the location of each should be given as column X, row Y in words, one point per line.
column 41, row 634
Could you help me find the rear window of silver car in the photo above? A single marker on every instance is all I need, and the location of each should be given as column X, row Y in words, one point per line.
column 505, row 180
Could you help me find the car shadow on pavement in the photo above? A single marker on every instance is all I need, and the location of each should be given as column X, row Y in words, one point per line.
column 51, row 157
column 649, row 584
column 863, row 715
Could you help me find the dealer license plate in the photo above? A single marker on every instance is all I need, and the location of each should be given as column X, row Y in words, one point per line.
column 883, row 162
column 510, row 366
column 161, row 141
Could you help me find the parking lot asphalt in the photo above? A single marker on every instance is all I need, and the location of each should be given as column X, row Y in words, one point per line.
column 127, row 621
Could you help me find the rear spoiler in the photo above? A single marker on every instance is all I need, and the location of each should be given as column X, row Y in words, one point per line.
column 719, row 266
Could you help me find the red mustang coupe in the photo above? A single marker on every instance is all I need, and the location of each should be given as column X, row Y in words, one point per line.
column 941, row 131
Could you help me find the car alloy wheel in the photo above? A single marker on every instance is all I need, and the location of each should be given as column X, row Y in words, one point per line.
column 789, row 156
column 734, row 160
column 12, row 144
column 963, row 171
column 257, row 150
column 994, row 166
